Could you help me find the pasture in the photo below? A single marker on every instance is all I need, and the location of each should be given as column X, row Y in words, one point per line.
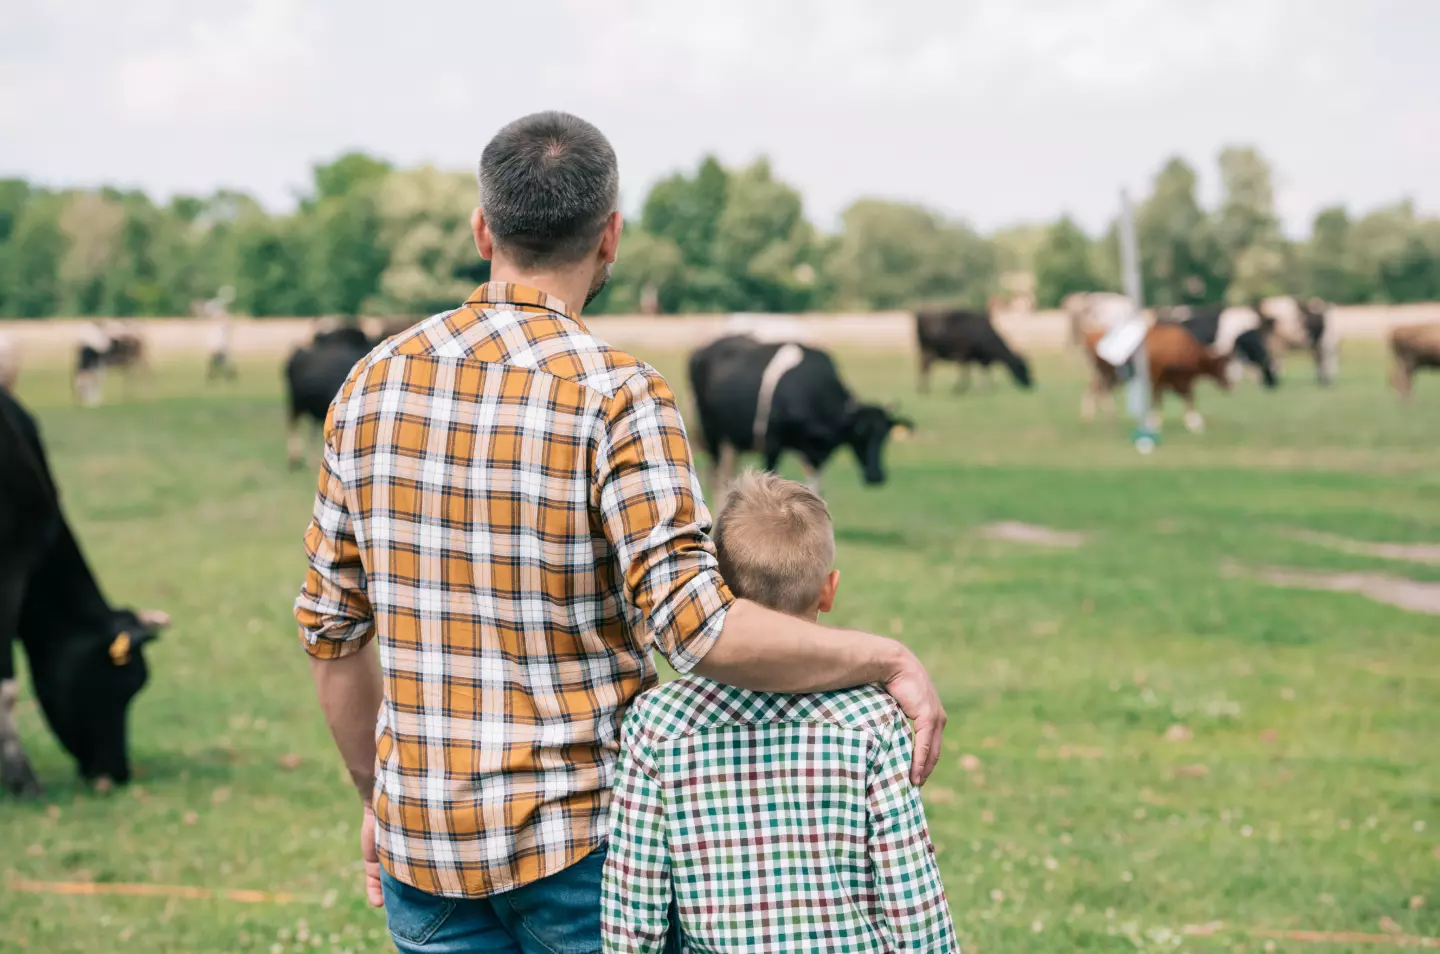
column 1151, row 744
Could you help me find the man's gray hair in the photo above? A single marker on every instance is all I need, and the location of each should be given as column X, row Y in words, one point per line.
column 548, row 183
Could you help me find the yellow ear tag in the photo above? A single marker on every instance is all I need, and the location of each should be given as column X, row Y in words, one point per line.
column 903, row 433
column 120, row 649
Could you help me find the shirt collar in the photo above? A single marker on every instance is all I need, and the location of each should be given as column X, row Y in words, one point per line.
column 509, row 293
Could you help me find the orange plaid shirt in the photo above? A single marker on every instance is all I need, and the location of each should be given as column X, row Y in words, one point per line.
column 511, row 506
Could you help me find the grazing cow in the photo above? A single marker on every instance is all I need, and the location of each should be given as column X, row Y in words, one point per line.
column 768, row 398
column 1241, row 332
column 100, row 349
column 967, row 338
column 1095, row 311
column 1306, row 325
column 9, row 362
column 1414, row 346
column 85, row 657
column 313, row 376
column 1175, row 358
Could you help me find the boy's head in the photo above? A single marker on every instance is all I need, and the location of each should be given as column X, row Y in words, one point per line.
column 777, row 545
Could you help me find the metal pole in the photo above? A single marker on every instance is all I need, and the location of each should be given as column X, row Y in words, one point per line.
column 1137, row 389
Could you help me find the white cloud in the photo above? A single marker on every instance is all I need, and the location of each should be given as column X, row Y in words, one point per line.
column 242, row 65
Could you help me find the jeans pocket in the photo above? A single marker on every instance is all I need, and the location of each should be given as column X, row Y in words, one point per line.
column 561, row 913
column 412, row 915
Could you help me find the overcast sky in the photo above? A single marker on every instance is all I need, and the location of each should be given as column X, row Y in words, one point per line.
column 995, row 110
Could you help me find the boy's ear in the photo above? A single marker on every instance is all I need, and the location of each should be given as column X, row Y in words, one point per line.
column 828, row 591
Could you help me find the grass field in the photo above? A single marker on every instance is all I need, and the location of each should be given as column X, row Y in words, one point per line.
column 1301, row 793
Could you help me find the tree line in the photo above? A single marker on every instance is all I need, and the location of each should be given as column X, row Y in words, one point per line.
column 367, row 238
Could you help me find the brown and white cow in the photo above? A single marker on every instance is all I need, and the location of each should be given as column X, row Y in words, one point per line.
column 1176, row 361
column 1414, row 347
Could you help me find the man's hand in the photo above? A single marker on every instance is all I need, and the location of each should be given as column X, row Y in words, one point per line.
column 911, row 687
column 767, row 651
column 373, row 893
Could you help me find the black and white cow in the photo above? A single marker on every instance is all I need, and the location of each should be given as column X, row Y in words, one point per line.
column 86, row 657
column 1238, row 331
column 768, row 398
column 1307, row 325
column 313, row 376
column 967, row 338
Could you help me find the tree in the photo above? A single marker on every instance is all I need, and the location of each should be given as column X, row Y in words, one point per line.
column 425, row 223
column 1064, row 263
column 646, row 262
column 687, row 212
column 1329, row 269
column 1255, row 256
column 347, row 174
column 896, row 255
column 764, row 248
column 1179, row 258
column 31, row 268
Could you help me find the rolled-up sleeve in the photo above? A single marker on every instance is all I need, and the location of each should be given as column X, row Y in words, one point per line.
column 655, row 518
column 333, row 609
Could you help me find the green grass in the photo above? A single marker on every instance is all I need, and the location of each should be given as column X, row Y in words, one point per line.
column 1315, row 715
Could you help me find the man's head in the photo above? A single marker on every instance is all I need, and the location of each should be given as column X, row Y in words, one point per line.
column 549, row 186
column 776, row 546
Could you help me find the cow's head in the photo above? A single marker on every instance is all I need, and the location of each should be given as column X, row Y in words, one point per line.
column 866, row 430
column 89, row 708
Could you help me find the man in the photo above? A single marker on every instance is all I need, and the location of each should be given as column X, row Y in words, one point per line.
column 511, row 507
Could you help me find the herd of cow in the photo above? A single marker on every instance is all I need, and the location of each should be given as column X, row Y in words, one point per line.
column 87, row 656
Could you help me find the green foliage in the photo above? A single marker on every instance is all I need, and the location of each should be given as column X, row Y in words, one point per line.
column 1180, row 259
column 370, row 239
column 896, row 255
column 1064, row 263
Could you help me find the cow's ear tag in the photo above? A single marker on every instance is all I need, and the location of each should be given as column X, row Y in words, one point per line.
column 903, row 432
column 120, row 649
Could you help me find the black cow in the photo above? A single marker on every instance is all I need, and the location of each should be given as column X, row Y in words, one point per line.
column 86, row 658
column 967, row 338
column 1242, row 332
column 754, row 397
column 314, row 374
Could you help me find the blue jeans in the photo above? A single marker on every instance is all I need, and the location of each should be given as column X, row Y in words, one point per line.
column 555, row 915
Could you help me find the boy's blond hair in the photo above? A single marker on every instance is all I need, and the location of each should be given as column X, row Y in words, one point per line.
column 776, row 543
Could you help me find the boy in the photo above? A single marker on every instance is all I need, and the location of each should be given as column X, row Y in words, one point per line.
column 751, row 821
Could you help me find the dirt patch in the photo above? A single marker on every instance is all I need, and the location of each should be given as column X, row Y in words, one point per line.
column 1412, row 595
column 1409, row 552
column 1033, row 534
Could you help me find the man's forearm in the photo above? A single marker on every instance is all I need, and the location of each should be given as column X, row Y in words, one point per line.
column 767, row 651
column 350, row 692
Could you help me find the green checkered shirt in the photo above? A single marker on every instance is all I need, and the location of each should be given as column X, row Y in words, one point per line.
column 775, row 823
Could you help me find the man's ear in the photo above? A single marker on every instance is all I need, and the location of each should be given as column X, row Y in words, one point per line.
column 610, row 238
column 828, row 591
column 484, row 241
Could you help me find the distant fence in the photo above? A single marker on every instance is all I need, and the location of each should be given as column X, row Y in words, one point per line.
column 889, row 331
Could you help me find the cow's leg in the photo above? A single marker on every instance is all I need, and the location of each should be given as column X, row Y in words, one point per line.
column 16, row 775
column 927, row 361
column 294, row 444
column 1090, row 400
column 725, row 470
column 1156, row 417
column 962, row 383
column 1403, row 377
column 812, row 477
column 1194, row 423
